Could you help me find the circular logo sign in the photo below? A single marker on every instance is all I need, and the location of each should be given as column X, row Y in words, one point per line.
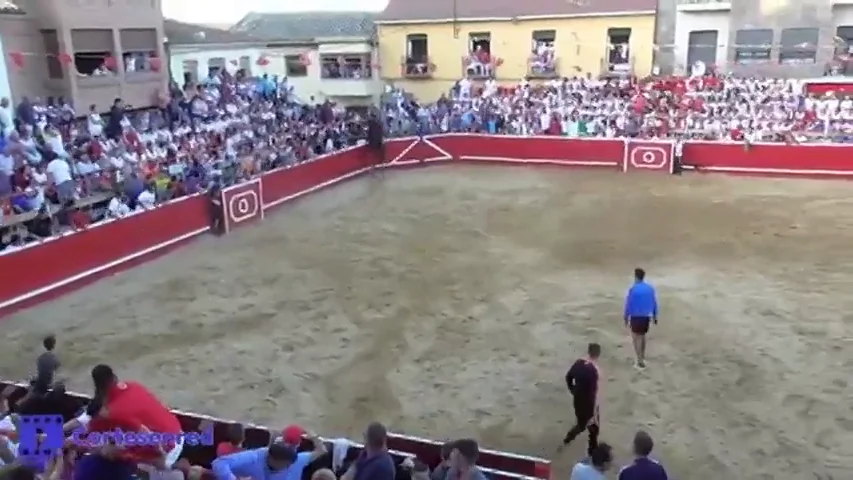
column 649, row 157
column 243, row 205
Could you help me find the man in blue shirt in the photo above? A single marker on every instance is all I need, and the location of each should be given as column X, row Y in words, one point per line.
column 276, row 462
column 641, row 310
column 643, row 468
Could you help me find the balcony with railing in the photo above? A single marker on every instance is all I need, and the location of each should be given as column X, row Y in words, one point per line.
column 704, row 5
column 480, row 65
column 543, row 66
column 414, row 68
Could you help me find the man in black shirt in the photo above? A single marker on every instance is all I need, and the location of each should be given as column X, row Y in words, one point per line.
column 583, row 381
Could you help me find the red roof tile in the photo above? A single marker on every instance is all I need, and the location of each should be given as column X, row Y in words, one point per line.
column 444, row 9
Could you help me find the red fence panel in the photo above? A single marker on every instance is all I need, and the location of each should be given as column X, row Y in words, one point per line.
column 40, row 271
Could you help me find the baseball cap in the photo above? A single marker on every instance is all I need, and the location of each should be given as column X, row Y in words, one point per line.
column 292, row 434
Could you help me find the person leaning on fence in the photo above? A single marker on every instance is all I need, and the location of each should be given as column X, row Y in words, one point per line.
column 217, row 216
column 374, row 462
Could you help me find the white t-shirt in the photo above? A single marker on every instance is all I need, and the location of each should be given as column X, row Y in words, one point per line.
column 7, row 425
column 146, row 199
column 117, row 208
column 55, row 143
column 59, row 170
column 96, row 125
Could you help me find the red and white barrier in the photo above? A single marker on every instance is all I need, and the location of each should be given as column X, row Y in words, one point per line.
column 39, row 271
column 649, row 156
column 241, row 203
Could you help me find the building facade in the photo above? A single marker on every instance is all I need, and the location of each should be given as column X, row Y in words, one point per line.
column 324, row 56
column 776, row 38
column 88, row 51
column 427, row 47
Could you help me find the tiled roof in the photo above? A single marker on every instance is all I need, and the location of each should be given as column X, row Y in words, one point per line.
column 462, row 9
column 180, row 33
column 307, row 25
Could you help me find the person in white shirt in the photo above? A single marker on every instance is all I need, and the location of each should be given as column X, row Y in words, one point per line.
column 118, row 207
column 7, row 425
column 595, row 466
column 146, row 198
column 59, row 173
column 53, row 139
column 6, row 125
column 95, row 123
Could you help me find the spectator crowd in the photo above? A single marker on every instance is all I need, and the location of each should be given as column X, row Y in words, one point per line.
column 66, row 170
column 706, row 107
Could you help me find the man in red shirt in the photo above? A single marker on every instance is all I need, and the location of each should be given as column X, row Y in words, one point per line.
column 128, row 407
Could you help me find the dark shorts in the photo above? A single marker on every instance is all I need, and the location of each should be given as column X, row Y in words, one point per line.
column 640, row 325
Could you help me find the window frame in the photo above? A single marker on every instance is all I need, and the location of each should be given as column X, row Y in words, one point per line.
column 792, row 52
column 743, row 54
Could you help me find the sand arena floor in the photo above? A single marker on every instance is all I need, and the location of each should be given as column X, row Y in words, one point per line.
column 450, row 301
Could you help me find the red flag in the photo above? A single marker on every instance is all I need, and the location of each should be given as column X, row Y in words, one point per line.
column 110, row 62
column 65, row 59
column 155, row 63
column 17, row 59
column 263, row 61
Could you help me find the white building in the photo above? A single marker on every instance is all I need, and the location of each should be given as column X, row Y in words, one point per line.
column 323, row 56
column 767, row 37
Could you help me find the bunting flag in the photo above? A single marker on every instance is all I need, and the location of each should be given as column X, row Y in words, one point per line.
column 17, row 59
column 110, row 62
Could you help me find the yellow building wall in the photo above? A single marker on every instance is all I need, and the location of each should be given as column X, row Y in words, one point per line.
column 580, row 42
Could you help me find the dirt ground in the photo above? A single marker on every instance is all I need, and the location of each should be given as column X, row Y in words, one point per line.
column 450, row 301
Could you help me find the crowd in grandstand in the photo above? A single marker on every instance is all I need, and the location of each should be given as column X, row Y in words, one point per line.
column 66, row 171
column 707, row 107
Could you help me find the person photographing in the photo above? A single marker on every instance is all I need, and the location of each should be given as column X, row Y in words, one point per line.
column 641, row 310
column 583, row 380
